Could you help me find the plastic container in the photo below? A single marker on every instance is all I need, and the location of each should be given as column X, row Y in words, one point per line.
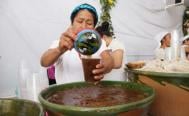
column 30, row 82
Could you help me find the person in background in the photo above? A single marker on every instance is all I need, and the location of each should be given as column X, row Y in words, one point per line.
column 185, row 44
column 164, row 41
column 118, row 50
column 67, row 61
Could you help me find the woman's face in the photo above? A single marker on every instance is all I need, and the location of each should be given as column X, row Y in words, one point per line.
column 83, row 19
column 168, row 40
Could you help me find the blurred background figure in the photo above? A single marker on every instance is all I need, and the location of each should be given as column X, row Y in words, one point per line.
column 164, row 41
column 185, row 44
column 118, row 52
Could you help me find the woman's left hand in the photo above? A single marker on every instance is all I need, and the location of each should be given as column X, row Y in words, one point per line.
column 105, row 65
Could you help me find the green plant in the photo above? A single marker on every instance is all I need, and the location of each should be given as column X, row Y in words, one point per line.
column 106, row 6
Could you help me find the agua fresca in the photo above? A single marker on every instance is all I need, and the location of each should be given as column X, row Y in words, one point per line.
column 96, row 96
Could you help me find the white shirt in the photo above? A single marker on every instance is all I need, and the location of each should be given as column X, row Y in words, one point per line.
column 68, row 68
column 160, row 53
column 116, row 74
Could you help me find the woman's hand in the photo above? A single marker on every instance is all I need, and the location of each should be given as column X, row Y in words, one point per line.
column 105, row 65
column 67, row 40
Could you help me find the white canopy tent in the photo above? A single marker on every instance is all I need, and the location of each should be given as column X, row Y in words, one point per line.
column 27, row 28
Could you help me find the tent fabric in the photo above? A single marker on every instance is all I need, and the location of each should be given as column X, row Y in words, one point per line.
column 27, row 28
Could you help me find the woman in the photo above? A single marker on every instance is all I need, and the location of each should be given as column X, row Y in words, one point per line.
column 118, row 51
column 164, row 41
column 68, row 66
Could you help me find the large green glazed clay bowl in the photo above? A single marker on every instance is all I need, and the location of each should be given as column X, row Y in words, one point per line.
column 19, row 107
column 97, row 111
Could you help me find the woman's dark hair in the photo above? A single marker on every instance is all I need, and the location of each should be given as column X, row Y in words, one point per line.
column 85, row 6
column 104, row 29
column 185, row 41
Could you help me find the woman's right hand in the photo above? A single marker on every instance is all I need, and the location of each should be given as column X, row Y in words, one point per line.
column 67, row 40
